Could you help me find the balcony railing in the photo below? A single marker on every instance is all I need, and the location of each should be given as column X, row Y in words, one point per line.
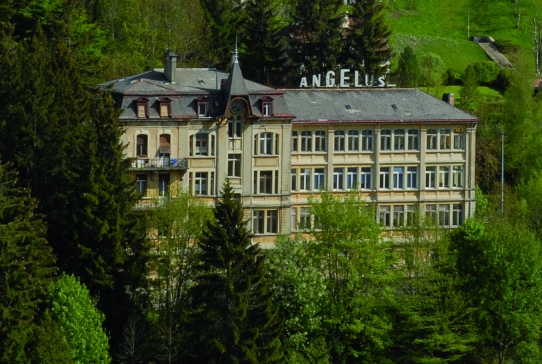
column 160, row 163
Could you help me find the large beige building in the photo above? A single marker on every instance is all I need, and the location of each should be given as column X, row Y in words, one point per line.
column 192, row 128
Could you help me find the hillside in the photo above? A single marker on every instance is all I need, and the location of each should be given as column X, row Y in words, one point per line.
column 441, row 26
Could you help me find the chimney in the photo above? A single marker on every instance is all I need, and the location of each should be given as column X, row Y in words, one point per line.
column 170, row 65
column 449, row 98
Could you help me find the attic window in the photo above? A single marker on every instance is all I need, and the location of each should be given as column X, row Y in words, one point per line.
column 165, row 107
column 203, row 106
column 394, row 106
column 348, row 107
column 142, row 107
column 267, row 106
column 201, row 81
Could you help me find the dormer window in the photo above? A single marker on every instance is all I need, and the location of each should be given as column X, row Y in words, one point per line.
column 267, row 106
column 165, row 107
column 203, row 107
column 142, row 108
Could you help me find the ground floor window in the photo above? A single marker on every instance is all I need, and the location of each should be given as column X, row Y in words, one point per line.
column 265, row 222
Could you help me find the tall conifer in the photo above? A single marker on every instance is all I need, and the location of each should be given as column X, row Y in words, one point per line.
column 366, row 47
column 234, row 320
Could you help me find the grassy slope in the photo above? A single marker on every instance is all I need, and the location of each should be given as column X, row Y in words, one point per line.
column 440, row 26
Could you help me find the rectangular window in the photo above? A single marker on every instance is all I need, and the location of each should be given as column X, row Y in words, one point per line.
column 294, row 141
column 200, row 183
column 398, row 216
column 163, row 184
column 459, row 139
column 365, row 178
column 234, row 127
column 338, row 179
column 293, row 185
column 413, row 139
column 305, row 179
column 367, row 140
column 445, row 138
column 141, row 150
column 234, row 165
column 384, row 216
column 430, row 177
column 384, row 177
column 410, row 217
column 385, row 139
column 444, row 215
column 164, row 110
column 431, row 213
column 202, row 108
column 202, row 144
column 431, row 139
column 258, row 222
column 353, row 140
column 339, row 141
column 306, row 141
column 305, row 218
column 272, row 222
column 141, row 184
column 352, row 178
column 141, row 110
column 444, row 177
column 265, row 143
column 412, row 177
column 457, row 215
column 398, row 177
column 294, row 219
column 399, row 139
column 267, row 109
column 320, row 141
column 319, row 179
column 265, row 182
column 457, row 176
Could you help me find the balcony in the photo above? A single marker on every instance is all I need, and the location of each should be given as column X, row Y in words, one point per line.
column 159, row 164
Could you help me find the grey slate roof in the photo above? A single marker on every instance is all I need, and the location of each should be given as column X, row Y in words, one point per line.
column 370, row 105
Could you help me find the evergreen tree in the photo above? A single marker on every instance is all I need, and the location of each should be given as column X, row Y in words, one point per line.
column 223, row 18
column 234, row 319
column 468, row 94
column 409, row 68
column 366, row 47
column 264, row 47
column 315, row 38
column 26, row 266
column 64, row 140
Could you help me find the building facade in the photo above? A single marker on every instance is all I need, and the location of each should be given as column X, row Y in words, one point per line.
column 191, row 129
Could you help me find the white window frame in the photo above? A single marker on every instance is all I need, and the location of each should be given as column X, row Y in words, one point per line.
column 412, row 177
column 338, row 179
column 385, row 176
column 398, row 177
column 430, row 177
column 235, row 127
column 413, row 139
column 444, row 215
column 234, row 165
column 293, row 173
column 305, row 175
column 398, row 216
column 445, row 139
column 141, row 183
column 399, row 139
column 353, row 141
column 319, row 179
column 366, row 178
column 457, row 217
column 352, row 178
column 320, row 141
column 385, row 140
column 295, row 141
column 339, row 138
column 266, row 182
column 432, row 137
column 384, row 216
column 459, row 139
column 367, row 140
column 458, row 177
column 444, row 177
column 306, row 141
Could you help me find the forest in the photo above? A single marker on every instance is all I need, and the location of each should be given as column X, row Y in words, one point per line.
column 86, row 278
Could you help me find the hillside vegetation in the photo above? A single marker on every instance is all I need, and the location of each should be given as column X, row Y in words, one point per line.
column 441, row 27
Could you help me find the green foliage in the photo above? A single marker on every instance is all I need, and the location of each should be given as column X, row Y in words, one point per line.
column 264, row 45
column 174, row 227
column 26, row 263
column 316, row 37
column 499, row 264
column 234, row 319
column 409, row 68
column 487, row 72
column 469, row 95
column 366, row 47
column 431, row 71
column 80, row 321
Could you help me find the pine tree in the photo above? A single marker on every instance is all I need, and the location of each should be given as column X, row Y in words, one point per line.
column 316, row 37
column 366, row 47
column 264, row 46
column 409, row 68
column 234, row 319
column 26, row 266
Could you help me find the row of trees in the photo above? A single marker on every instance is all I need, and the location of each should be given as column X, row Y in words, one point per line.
column 347, row 293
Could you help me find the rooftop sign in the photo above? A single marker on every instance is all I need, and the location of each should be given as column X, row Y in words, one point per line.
column 345, row 80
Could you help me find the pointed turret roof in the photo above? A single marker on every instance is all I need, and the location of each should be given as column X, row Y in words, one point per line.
column 235, row 85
